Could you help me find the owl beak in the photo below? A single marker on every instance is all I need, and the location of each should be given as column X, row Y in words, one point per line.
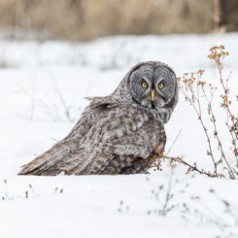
column 152, row 95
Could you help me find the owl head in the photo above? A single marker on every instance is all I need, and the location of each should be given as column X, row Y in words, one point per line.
column 152, row 85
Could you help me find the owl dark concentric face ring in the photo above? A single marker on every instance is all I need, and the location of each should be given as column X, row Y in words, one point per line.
column 154, row 86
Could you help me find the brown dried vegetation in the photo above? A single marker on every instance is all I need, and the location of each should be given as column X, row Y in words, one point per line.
column 83, row 19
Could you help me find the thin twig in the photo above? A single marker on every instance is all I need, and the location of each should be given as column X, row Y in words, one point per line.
column 200, row 118
column 66, row 108
column 190, row 167
column 174, row 141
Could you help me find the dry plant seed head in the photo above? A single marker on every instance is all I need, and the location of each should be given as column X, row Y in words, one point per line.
column 200, row 72
column 218, row 53
column 225, row 101
column 189, row 79
column 201, row 83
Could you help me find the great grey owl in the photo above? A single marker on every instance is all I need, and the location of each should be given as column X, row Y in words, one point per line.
column 119, row 133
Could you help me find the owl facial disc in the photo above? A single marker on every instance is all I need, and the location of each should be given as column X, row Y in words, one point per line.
column 154, row 86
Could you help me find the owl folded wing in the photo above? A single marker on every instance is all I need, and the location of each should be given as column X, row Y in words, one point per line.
column 130, row 154
column 114, row 156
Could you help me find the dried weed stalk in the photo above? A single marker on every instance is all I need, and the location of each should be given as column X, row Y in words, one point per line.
column 195, row 90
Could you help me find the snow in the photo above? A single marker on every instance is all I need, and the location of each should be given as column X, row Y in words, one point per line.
column 43, row 81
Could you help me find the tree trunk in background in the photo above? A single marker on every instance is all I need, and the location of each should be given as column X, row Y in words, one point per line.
column 229, row 14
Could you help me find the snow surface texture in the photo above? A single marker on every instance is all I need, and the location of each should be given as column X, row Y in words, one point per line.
column 42, row 92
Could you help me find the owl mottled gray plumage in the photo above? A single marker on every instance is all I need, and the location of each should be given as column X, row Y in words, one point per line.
column 119, row 133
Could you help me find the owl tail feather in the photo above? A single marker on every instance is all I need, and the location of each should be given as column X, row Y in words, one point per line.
column 47, row 163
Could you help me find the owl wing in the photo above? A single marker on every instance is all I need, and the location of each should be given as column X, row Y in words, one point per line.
column 46, row 164
column 129, row 154
column 135, row 157
column 90, row 116
column 133, row 135
column 54, row 161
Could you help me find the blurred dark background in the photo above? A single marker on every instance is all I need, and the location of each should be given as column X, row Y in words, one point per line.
column 87, row 19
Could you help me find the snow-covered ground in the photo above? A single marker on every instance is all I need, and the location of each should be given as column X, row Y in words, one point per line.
column 42, row 90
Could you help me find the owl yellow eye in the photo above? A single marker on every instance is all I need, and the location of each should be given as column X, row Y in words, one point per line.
column 144, row 85
column 161, row 85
